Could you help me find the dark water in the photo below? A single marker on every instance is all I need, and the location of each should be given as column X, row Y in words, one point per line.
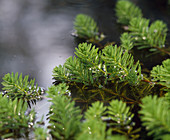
column 35, row 35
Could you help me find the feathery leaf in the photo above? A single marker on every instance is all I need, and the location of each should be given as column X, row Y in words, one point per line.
column 155, row 116
column 161, row 73
column 145, row 36
column 120, row 63
column 64, row 116
column 14, row 121
column 18, row 87
column 86, row 28
column 126, row 10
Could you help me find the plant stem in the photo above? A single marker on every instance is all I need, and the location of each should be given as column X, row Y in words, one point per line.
column 162, row 50
column 107, row 90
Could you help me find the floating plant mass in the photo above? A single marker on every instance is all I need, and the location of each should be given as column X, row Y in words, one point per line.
column 118, row 99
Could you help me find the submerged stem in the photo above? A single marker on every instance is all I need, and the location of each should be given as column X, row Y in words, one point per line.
column 133, row 101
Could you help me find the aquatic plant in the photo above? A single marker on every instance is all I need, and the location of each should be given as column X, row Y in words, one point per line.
column 152, row 37
column 90, row 65
column 118, row 100
column 15, row 122
column 140, row 33
column 40, row 133
column 126, row 41
column 126, row 10
column 86, row 28
column 64, row 118
column 15, row 86
column 161, row 74
column 156, row 117
column 104, row 74
column 117, row 116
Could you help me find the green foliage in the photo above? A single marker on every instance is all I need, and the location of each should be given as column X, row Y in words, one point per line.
column 20, row 88
column 126, row 41
column 165, row 137
column 116, row 137
column 97, row 72
column 119, row 112
column 161, row 74
column 145, row 36
column 90, row 65
column 64, row 117
column 88, row 54
column 86, row 28
column 142, row 35
column 126, row 10
column 157, row 34
column 14, row 121
column 96, row 111
column 167, row 96
column 121, row 116
column 90, row 128
column 78, row 71
column 121, row 64
column 156, row 116
column 94, row 128
column 62, row 88
column 40, row 134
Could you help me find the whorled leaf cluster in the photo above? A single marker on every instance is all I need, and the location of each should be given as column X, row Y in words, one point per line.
column 100, row 71
column 86, row 28
column 145, row 36
column 141, row 32
column 17, row 86
column 126, row 10
column 65, row 118
column 15, row 121
column 161, row 74
column 102, row 122
column 90, row 64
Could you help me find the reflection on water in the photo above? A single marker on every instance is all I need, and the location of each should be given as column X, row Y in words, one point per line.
column 32, row 42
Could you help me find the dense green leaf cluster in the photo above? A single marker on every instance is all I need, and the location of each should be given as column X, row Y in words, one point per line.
column 141, row 34
column 126, row 10
column 146, row 36
column 86, row 28
column 93, row 119
column 64, row 116
column 161, row 74
column 119, row 112
column 126, row 41
column 15, row 86
column 40, row 133
column 156, row 117
column 14, row 121
column 117, row 116
column 110, row 70
column 91, row 64
column 90, row 128
column 121, row 64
